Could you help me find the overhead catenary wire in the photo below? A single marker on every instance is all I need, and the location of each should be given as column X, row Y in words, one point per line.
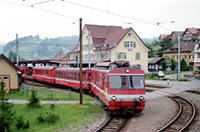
column 111, row 13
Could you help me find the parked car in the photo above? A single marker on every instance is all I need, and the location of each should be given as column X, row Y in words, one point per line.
column 160, row 74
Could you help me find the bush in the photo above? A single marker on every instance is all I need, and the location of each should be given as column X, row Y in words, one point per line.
column 184, row 79
column 152, row 76
column 48, row 117
column 21, row 123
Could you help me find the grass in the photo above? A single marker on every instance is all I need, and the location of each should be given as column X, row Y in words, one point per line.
column 72, row 117
column 46, row 94
column 154, row 77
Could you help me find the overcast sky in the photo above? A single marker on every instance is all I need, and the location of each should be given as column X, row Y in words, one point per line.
column 54, row 18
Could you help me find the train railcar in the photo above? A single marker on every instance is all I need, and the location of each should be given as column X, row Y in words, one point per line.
column 23, row 70
column 121, row 89
column 71, row 77
column 44, row 74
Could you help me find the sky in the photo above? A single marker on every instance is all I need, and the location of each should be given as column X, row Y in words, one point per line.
column 55, row 18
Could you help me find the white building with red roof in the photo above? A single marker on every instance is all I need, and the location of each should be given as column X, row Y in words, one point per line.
column 111, row 43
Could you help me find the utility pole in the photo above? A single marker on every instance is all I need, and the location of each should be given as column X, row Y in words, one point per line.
column 17, row 50
column 179, row 65
column 115, row 51
column 89, row 56
column 80, row 62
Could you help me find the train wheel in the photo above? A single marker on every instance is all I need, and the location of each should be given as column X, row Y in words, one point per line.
column 138, row 111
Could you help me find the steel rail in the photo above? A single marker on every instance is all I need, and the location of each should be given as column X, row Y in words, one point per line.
column 179, row 113
column 119, row 127
column 193, row 115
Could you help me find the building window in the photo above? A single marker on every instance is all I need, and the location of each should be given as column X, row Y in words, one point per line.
column 137, row 56
column 98, row 56
column 86, row 57
column 175, row 57
column 183, row 56
column 83, row 57
column 92, row 56
column 121, row 56
column 198, row 55
column 129, row 44
column 191, row 56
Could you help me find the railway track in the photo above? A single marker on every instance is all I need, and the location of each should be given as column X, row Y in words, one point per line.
column 113, row 124
column 183, row 118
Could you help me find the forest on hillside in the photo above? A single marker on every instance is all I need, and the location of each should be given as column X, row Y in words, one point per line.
column 34, row 48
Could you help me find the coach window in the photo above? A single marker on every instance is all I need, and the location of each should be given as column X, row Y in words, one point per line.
column 70, row 75
column 117, row 82
column 136, row 82
column 75, row 76
column 64, row 75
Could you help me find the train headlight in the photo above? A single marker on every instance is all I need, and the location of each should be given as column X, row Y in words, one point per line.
column 127, row 71
column 141, row 98
column 113, row 98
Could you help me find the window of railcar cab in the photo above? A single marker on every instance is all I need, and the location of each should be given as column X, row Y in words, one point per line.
column 135, row 82
column 117, row 82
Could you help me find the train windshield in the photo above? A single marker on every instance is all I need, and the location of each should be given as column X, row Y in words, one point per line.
column 117, row 82
column 135, row 82
column 124, row 82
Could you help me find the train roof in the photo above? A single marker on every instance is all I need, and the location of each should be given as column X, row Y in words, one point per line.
column 121, row 70
column 44, row 67
column 70, row 69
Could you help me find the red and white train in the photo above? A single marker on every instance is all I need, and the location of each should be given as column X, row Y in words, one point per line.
column 121, row 89
column 23, row 70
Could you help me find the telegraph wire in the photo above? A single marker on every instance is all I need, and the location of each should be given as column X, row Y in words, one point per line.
column 32, row 6
column 42, row 2
column 108, row 12
column 43, row 44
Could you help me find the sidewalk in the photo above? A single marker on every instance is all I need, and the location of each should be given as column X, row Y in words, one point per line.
column 53, row 102
column 173, row 87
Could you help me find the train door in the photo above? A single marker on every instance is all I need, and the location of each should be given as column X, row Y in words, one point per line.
column 6, row 79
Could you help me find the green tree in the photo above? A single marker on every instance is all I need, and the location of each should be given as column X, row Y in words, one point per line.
column 184, row 65
column 34, row 102
column 165, row 44
column 6, row 112
column 12, row 56
column 173, row 64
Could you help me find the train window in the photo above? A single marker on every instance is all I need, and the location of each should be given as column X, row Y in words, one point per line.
column 75, row 76
column 89, row 76
column 69, row 75
column 136, row 82
column 117, row 82
column 58, row 74
column 64, row 74
column 79, row 76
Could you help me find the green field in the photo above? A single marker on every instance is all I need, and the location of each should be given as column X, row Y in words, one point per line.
column 47, row 94
column 72, row 117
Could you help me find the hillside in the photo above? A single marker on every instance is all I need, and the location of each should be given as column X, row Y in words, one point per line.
column 33, row 47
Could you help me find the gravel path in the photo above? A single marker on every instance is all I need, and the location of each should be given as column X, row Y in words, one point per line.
column 157, row 112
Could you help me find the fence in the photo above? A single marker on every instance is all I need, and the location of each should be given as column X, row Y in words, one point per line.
column 47, row 92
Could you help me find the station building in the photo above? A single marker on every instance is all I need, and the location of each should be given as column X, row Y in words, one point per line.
column 9, row 74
